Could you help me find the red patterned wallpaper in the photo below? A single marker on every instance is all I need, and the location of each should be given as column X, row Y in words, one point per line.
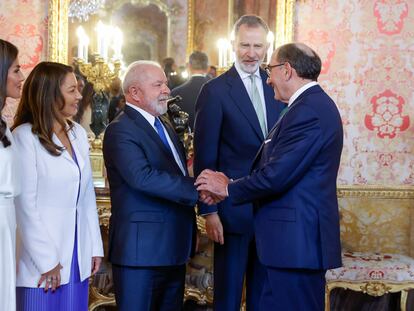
column 367, row 50
column 24, row 23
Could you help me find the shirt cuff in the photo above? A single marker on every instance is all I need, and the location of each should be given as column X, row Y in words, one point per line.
column 203, row 215
column 227, row 187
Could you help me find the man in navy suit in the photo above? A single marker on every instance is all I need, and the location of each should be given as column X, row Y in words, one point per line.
column 152, row 225
column 197, row 65
column 234, row 113
column 293, row 185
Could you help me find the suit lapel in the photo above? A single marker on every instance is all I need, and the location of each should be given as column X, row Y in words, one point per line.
column 65, row 154
column 142, row 123
column 74, row 140
column 272, row 111
column 242, row 100
column 275, row 130
column 176, row 142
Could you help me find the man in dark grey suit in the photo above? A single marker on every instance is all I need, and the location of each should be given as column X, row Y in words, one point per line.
column 198, row 66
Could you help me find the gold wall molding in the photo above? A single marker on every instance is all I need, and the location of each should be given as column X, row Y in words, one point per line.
column 58, row 31
column 285, row 13
column 190, row 27
column 376, row 191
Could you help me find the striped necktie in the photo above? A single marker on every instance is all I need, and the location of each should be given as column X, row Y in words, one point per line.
column 257, row 104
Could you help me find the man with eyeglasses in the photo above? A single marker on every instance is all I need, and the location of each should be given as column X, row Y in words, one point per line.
column 234, row 114
column 293, row 185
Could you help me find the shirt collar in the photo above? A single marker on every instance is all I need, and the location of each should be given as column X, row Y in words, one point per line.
column 244, row 75
column 300, row 91
column 149, row 117
column 198, row 75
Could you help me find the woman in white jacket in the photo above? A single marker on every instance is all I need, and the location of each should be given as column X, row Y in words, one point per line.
column 11, row 79
column 56, row 212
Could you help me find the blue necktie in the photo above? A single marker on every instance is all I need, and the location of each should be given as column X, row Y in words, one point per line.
column 161, row 133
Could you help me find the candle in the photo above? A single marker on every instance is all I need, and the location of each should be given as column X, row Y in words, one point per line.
column 221, row 44
column 85, row 48
column 225, row 52
column 230, row 54
column 118, row 41
column 270, row 39
column 100, row 32
column 80, row 33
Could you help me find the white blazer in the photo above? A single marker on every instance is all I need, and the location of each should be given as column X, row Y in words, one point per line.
column 46, row 208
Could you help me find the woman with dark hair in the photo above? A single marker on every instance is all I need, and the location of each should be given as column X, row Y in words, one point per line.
column 57, row 204
column 11, row 79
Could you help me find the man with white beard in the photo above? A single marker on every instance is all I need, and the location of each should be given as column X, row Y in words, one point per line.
column 152, row 226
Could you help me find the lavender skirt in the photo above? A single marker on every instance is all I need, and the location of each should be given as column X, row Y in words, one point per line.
column 69, row 297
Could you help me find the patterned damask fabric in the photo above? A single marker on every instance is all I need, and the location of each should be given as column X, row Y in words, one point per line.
column 376, row 224
column 367, row 53
column 373, row 267
column 24, row 23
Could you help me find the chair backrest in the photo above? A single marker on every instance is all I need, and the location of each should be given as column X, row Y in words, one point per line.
column 377, row 219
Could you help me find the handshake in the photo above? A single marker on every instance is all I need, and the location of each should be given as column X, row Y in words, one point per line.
column 212, row 186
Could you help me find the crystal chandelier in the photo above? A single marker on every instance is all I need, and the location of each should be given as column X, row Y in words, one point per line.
column 81, row 9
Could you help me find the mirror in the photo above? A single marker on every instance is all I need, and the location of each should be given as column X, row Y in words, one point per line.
column 146, row 27
column 124, row 30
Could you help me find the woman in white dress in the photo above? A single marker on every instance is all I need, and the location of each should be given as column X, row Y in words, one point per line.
column 11, row 79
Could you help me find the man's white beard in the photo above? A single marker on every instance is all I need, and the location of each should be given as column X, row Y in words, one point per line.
column 157, row 107
column 249, row 69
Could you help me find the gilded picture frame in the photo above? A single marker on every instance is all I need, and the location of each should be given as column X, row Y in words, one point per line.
column 285, row 13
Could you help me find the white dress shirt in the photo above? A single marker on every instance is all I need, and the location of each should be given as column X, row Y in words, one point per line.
column 150, row 118
column 245, row 77
column 300, row 91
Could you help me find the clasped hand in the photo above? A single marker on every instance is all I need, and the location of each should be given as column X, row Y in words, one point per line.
column 212, row 186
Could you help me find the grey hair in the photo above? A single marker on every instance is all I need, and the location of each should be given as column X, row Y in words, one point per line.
column 133, row 73
column 250, row 21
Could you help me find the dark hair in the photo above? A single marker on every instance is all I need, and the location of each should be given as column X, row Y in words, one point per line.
column 198, row 60
column 250, row 21
column 301, row 57
column 41, row 102
column 8, row 54
column 168, row 63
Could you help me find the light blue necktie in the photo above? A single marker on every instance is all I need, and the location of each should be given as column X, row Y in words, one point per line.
column 257, row 104
column 161, row 133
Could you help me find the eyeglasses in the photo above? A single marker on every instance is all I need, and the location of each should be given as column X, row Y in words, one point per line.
column 269, row 68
